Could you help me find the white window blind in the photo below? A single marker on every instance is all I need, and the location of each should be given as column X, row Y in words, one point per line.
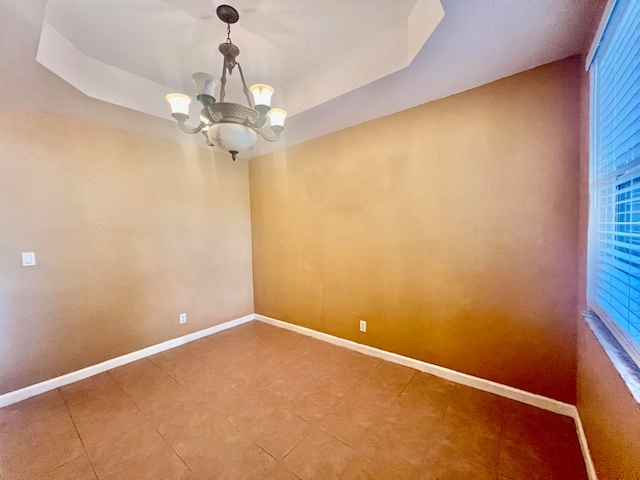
column 614, row 261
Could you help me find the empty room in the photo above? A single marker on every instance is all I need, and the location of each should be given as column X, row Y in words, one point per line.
column 278, row 239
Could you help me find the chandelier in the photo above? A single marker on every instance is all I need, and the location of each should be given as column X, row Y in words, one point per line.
column 229, row 126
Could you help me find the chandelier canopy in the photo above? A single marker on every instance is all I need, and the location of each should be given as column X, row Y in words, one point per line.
column 230, row 126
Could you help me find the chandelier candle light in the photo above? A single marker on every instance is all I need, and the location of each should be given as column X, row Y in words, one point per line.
column 229, row 126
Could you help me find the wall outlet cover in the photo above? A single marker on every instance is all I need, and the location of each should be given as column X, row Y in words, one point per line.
column 363, row 326
column 28, row 259
column 183, row 318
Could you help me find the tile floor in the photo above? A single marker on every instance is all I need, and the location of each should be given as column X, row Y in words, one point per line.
column 259, row 402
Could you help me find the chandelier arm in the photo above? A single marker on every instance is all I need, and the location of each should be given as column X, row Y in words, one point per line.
column 181, row 118
column 274, row 138
column 244, row 87
column 191, row 130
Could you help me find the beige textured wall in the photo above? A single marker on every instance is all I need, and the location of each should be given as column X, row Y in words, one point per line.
column 129, row 231
column 451, row 228
column 609, row 413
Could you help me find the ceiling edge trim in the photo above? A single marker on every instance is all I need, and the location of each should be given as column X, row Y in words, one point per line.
column 100, row 80
column 361, row 65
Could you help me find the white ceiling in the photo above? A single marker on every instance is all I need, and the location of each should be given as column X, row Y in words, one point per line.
column 133, row 53
column 286, row 43
column 166, row 40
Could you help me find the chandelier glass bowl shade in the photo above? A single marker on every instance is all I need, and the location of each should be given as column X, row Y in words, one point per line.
column 230, row 126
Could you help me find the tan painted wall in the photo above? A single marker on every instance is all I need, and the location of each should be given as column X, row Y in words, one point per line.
column 129, row 231
column 451, row 228
column 609, row 413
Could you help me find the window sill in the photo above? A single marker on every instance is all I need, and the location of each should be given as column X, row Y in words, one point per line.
column 626, row 366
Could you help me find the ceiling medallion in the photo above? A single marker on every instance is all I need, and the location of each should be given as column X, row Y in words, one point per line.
column 229, row 126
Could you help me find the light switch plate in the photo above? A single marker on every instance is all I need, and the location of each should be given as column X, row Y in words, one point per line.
column 28, row 259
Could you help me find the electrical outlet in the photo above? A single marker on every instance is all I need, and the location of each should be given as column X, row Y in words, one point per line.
column 363, row 326
column 183, row 318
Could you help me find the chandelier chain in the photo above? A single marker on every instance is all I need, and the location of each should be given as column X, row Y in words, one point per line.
column 228, row 33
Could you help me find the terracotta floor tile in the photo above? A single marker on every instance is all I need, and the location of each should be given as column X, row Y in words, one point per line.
column 118, row 454
column 412, row 412
column 212, row 384
column 90, row 389
column 244, row 407
column 375, row 398
column 340, row 384
column 313, row 406
column 42, row 458
column 167, row 412
column 392, row 376
column 231, row 405
column 13, row 441
column 319, row 456
column 280, row 473
column 472, row 425
column 166, row 398
column 101, row 406
column 402, row 450
column 429, row 384
column 199, row 347
column 519, row 461
column 316, row 348
column 248, row 463
column 141, row 378
column 355, row 361
column 472, row 403
column 243, row 368
column 107, row 425
column 278, row 432
column 528, row 423
column 363, row 468
column 349, row 424
column 206, row 443
column 251, row 463
column 179, row 364
column 468, row 449
column 427, row 394
column 31, row 410
column 550, row 437
column 163, row 464
column 77, row 469
column 457, row 469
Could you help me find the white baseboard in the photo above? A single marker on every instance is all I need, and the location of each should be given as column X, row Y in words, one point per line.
column 61, row 381
column 457, row 377
column 584, row 446
column 512, row 393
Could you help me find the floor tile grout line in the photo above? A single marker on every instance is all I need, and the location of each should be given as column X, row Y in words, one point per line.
column 306, row 434
column 173, row 450
column 407, row 384
column 75, row 426
column 146, row 419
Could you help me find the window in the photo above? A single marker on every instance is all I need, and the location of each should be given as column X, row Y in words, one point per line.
column 614, row 237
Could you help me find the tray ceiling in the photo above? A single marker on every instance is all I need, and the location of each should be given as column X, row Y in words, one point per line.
column 476, row 42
